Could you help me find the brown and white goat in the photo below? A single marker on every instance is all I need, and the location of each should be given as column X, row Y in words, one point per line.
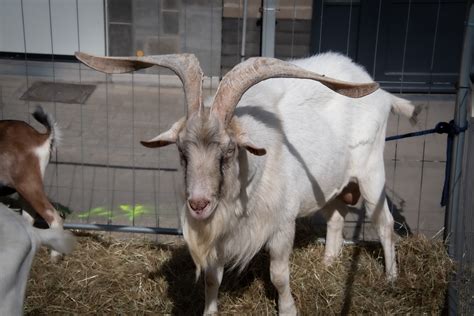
column 24, row 155
column 312, row 144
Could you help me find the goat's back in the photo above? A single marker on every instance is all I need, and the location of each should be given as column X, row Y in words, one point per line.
column 314, row 137
column 20, row 134
column 334, row 65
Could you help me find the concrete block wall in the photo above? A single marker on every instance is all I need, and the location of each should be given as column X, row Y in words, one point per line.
column 292, row 30
column 157, row 27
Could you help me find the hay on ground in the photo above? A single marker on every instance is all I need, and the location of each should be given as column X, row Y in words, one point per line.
column 136, row 276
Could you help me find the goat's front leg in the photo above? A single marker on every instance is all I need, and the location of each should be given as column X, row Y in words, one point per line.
column 212, row 279
column 280, row 247
column 30, row 187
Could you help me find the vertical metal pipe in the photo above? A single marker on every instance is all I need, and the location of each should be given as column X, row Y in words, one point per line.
column 268, row 28
column 106, row 27
column 26, row 56
column 244, row 31
column 454, row 220
column 460, row 119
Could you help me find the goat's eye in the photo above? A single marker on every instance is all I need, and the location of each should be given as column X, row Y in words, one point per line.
column 229, row 151
column 182, row 157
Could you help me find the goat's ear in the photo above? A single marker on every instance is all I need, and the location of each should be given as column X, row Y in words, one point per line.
column 166, row 138
column 243, row 140
column 251, row 148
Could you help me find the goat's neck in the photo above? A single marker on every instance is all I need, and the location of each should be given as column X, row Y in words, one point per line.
column 202, row 237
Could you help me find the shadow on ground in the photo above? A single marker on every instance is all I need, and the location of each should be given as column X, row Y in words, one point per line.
column 187, row 295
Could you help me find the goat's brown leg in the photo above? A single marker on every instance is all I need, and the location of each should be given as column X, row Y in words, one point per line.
column 30, row 186
column 34, row 194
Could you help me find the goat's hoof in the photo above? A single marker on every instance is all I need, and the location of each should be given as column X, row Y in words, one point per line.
column 392, row 277
column 329, row 260
column 287, row 309
column 56, row 257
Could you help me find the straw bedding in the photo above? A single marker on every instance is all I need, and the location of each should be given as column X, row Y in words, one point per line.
column 108, row 275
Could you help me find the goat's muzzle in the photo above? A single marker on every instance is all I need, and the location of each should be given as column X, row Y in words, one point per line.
column 199, row 208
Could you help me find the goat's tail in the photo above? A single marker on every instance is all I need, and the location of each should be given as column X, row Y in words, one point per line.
column 406, row 108
column 56, row 238
column 47, row 121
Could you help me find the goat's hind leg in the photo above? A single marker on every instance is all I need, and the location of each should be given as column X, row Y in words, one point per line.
column 31, row 189
column 334, row 214
column 373, row 191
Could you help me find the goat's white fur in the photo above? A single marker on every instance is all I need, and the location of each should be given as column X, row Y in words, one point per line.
column 317, row 142
column 43, row 154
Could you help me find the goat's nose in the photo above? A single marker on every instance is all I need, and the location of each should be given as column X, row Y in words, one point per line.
column 198, row 205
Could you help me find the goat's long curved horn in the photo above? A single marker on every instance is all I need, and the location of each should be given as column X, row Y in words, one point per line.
column 185, row 66
column 243, row 76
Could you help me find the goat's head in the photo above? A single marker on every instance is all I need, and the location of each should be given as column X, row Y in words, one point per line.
column 209, row 139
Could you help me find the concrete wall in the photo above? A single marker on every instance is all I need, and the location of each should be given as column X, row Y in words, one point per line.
column 52, row 27
column 166, row 27
column 292, row 30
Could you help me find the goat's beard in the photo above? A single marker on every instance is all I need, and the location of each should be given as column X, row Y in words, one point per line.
column 202, row 236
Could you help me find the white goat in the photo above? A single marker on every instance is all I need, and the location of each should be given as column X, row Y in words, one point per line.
column 313, row 147
column 24, row 155
column 19, row 242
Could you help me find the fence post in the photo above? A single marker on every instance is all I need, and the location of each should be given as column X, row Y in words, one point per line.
column 454, row 229
column 244, row 31
column 268, row 28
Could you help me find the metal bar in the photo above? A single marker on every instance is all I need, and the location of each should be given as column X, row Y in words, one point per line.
column 26, row 57
column 413, row 134
column 321, row 26
column 126, row 229
column 349, row 29
column 134, row 174
column 99, row 165
column 268, row 28
column 377, row 40
column 156, row 175
column 179, row 232
column 106, row 27
column 293, row 30
column 81, row 116
column 54, row 80
column 352, row 242
column 433, row 51
column 244, row 31
column 454, row 219
column 460, row 119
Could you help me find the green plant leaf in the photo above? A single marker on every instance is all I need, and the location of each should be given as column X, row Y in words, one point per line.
column 96, row 211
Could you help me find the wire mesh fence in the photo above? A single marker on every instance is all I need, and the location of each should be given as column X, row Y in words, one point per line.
column 101, row 173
